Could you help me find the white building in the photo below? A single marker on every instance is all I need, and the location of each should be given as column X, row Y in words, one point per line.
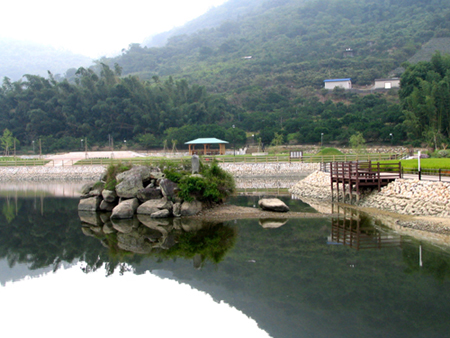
column 343, row 83
column 387, row 83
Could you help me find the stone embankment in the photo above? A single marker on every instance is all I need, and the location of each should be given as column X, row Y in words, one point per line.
column 412, row 197
column 93, row 172
column 408, row 197
column 41, row 173
column 316, row 185
column 269, row 169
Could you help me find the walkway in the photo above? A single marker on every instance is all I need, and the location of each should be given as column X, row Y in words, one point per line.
column 69, row 159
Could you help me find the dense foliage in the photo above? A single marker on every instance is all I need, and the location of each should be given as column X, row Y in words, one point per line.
column 425, row 96
column 213, row 185
column 100, row 108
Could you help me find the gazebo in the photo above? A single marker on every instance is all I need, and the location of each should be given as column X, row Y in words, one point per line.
column 206, row 142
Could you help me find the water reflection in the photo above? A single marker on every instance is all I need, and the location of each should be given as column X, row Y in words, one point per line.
column 167, row 238
column 354, row 229
column 286, row 277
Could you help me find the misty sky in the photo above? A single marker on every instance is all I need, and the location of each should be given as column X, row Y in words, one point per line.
column 95, row 27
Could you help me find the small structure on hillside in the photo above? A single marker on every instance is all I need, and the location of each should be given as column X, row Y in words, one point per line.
column 387, row 83
column 348, row 53
column 207, row 149
column 333, row 83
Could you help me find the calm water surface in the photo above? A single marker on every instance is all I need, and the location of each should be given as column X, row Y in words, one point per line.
column 67, row 274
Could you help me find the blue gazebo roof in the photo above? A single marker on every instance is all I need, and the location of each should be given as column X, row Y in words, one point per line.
column 210, row 140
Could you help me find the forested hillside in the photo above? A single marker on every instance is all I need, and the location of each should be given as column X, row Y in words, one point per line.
column 295, row 43
column 261, row 72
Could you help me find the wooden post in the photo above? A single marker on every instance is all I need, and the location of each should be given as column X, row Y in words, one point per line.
column 331, row 178
column 378, row 173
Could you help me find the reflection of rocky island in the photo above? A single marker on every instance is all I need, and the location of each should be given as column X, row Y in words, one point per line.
column 163, row 238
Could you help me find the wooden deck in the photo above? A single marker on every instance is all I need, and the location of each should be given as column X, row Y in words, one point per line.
column 356, row 175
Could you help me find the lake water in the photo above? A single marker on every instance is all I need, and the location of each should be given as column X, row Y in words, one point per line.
column 62, row 275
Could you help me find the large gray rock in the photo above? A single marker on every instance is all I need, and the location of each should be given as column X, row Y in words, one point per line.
column 273, row 204
column 126, row 209
column 106, row 206
column 145, row 173
column 149, row 193
column 164, row 213
column 109, row 196
column 129, row 187
column 153, row 206
column 87, row 187
column 90, row 204
column 191, row 208
column 168, row 188
column 97, row 189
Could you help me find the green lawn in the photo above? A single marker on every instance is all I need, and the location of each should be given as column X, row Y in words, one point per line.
column 425, row 163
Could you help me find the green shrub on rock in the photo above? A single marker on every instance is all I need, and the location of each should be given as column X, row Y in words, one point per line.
column 214, row 184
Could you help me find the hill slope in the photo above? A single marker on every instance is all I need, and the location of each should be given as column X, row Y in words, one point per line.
column 294, row 43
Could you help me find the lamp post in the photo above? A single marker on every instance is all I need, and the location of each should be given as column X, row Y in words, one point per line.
column 234, row 146
column 392, row 137
column 81, row 144
column 321, row 140
column 33, row 146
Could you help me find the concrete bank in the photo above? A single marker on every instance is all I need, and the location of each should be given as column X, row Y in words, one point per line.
column 408, row 197
column 270, row 169
column 92, row 172
column 68, row 173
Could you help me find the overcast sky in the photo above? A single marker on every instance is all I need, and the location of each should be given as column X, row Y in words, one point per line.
column 95, row 27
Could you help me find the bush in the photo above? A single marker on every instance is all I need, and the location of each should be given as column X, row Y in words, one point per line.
column 329, row 151
column 442, row 154
column 215, row 184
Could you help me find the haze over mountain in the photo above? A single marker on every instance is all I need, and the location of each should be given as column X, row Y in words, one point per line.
column 19, row 58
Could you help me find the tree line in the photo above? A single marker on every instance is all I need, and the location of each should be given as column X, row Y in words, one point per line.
column 107, row 109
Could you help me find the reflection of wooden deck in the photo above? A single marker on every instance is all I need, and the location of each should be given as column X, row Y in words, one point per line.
column 355, row 175
column 351, row 231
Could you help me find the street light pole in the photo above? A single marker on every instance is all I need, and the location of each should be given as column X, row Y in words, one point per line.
column 321, row 140
column 392, row 137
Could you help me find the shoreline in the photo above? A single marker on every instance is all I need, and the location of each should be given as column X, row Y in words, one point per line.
column 402, row 205
column 314, row 189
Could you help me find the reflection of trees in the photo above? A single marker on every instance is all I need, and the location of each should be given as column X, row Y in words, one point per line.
column 163, row 239
column 41, row 239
